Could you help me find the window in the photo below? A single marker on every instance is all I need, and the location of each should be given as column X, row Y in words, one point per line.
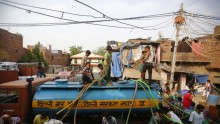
column 75, row 61
column 8, row 96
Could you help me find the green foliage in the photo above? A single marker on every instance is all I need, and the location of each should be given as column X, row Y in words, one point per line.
column 34, row 56
column 100, row 51
column 75, row 50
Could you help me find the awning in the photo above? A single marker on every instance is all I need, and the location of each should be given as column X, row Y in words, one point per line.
column 201, row 78
column 133, row 73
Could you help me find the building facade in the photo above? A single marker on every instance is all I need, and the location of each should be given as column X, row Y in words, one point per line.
column 56, row 59
column 198, row 56
column 11, row 46
column 194, row 56
column 93, row 59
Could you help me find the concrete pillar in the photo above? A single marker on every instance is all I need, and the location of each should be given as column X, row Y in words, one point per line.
column 182, row 81
column 164, row 81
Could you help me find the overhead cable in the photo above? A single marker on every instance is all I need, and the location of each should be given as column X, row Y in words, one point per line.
column 73, row 21
column 104, row 15
column 63, row 12
column 201, row 16
column 77, row 22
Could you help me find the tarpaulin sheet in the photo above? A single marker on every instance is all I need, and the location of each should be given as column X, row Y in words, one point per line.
column 200, row 78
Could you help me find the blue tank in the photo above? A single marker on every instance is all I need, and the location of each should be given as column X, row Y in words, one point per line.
column 55, row 95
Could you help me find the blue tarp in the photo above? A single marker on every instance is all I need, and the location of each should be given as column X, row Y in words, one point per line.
column 129, row 58
column 201, row 78
column 116, row 69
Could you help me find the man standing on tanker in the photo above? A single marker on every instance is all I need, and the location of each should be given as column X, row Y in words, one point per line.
column 148, row 64
column 107, row 64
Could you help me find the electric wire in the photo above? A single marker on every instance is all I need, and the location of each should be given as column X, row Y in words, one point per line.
column 69, row 23
column 201, row 16
column 109, row 17
column 62, row 12
column 141, row 17
column 106, row 15
column 73, row 21
column 192, row 3
column 205, row 22
column 206, row 52
column 200, row 53
column 196, row 25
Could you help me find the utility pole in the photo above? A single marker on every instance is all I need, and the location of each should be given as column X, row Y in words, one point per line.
column 179, row 20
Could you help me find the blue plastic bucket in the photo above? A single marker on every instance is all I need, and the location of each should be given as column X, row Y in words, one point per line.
column 212, row 99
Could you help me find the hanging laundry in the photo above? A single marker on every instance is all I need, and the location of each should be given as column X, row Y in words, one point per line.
column 129, row 58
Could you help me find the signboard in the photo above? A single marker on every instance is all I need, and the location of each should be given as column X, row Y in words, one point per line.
column 95, row 104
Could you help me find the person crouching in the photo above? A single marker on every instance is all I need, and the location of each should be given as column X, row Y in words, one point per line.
column 87, row 74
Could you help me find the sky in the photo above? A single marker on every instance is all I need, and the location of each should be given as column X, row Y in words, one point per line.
column 90, row 37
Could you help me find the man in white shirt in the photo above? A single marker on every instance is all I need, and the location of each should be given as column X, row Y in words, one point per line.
column 172, row 116
column 197, row 117
column 108, row 119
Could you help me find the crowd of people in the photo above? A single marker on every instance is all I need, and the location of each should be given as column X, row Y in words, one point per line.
column 7, row 119
column 146, row 64
column 182, row 109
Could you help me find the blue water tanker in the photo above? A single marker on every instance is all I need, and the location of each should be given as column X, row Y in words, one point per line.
column 54, row 96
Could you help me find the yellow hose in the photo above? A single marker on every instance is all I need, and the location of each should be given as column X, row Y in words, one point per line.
column 80, row 94
column 72, row 105
column 80, row 99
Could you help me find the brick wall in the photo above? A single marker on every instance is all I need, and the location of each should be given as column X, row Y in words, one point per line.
column 12, row 44
column 58, row 58
column 217, row 30
column 209, row 49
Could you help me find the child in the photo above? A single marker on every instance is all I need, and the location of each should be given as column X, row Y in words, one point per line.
column 84, row 59
column 87, row 74
column 197, row 117
column 179, row 104
column 102, row 72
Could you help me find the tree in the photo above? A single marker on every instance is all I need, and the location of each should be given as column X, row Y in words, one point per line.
column 100, row 51
column 34, row 56
column 75, row 50
column 28, row 57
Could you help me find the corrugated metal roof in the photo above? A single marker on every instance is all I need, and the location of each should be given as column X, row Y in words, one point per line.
column 92, row 55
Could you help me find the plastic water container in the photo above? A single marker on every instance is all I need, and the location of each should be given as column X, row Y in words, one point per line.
column 212, row 99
